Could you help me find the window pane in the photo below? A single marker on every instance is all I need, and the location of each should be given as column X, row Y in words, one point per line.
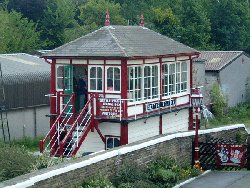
column 92, row 84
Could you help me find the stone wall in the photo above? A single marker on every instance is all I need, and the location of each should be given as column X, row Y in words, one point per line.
column 178, row 146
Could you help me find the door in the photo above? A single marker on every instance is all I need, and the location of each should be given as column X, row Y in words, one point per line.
column 64, row 83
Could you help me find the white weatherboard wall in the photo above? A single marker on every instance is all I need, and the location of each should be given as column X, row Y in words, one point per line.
column 93, row 141
column 142, row 129
column 175, row 121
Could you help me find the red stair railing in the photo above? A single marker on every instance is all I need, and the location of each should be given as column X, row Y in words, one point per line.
column 53, row 129
column 88, row 111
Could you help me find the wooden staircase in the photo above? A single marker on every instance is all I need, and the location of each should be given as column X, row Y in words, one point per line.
column 68, row 132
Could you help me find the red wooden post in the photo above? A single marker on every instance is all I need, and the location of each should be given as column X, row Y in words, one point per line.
column 196, row 158
column 41, row 144
column 52, row 102
column 92, row 112
column 160, row 124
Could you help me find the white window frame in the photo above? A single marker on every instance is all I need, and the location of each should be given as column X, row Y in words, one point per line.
column 135, row 90
column 151, row 87
column 63, row 78
column 96, row 78
column 109, row 90
column 177, row 81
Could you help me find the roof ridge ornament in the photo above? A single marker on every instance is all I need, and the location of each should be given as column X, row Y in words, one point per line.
column 142, row 20
column 107, row 19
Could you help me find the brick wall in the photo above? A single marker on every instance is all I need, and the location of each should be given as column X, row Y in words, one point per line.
column 178, row 146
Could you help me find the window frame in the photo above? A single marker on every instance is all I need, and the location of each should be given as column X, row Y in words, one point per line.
column 96, row 78
column 113, row 82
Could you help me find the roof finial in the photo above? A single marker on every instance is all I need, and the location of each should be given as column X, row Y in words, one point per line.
column 142, row 21
column 107, row 21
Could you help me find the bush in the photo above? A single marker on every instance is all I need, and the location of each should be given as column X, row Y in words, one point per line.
column 218, row 100
column 14, row 161
column 164, row 172
column 45, row 161
column 28, row 142
column 99, row 181
column 241, row 137
column 129, row 173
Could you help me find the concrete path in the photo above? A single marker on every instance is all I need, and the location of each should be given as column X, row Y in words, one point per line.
column 219, row 179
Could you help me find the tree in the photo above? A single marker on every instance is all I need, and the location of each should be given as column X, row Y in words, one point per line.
column 230, row 23
column 59, row 15
column 33, row 10
column 17, row 33
column 195, row 25
column 218, row 101
column 92, row 14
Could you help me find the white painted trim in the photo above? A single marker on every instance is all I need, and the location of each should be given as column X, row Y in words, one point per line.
column 113, row 153
column 98, row 62
column 113, row 62
column 138, row 61
column 62, row 61
column 168, row 59
column 152, row 60
column 79, row 61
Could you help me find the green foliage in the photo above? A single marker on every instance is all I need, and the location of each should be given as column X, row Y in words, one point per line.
column 18, row 34
column 164, row 171
column 93, row 13
column 14, row 161
column 205, row 25
column 238, row 114
column 45, row 161
column 241, row 137
column 29, row 143
column 99, row 181
column 129, row 173
column 218, row 101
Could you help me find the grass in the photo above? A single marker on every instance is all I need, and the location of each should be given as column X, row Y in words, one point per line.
column 235, row 115
column 31, row 144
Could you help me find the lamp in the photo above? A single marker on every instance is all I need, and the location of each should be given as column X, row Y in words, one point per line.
column 196, row 100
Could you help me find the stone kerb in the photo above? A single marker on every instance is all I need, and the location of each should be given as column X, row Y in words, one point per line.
column 178, row 146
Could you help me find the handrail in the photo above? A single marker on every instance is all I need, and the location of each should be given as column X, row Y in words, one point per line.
column 73, row 126
column 56, row 121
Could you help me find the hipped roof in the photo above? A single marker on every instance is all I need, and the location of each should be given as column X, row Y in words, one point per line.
column 121, row 41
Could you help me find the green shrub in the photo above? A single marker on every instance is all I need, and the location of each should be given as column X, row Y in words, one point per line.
column 99, row 181
column 28, row 142
column 218, row 100
column 164, row 172
column 241, row 137
column 129, row 173
column 44, row 161
column 14, row 161
column 140, row 184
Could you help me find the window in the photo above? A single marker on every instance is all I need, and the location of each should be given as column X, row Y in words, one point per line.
column 112, row 141
column 113, row 79
column 95, row 78
column 134, row 84
column 59, row 77
column 151, row 82
column 174, row 78
column 164, row 80
column 64, row 80
column 171, row 79
column 183, row 76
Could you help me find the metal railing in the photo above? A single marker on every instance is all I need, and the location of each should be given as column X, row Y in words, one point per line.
column 58, row 126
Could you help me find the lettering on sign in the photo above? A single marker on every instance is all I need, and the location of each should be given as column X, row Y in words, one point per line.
column 161, row 104
column 110, row 108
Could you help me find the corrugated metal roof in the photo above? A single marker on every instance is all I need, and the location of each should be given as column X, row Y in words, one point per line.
column 216, row 60
column 21, row 63
column 26, row 80
column 121, row 41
